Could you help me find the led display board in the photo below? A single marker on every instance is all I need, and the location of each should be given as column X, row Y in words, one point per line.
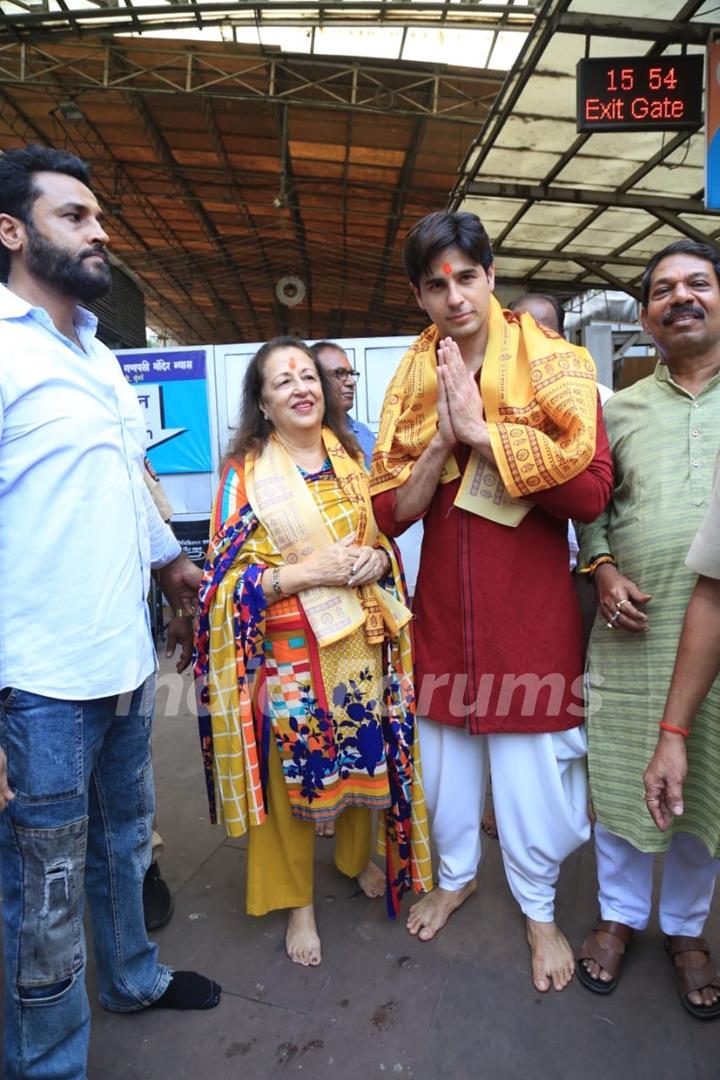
column 637, row 93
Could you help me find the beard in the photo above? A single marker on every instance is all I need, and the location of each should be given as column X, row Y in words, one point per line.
column 71, row 274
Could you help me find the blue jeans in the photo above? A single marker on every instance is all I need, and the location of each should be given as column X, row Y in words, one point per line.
column 80, row 822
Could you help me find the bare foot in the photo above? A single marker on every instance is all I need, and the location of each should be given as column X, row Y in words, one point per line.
column 489, row 824
column 302, row 943
column 372, row 881
column 552, row 957
column 325, row 828
column 432, row 912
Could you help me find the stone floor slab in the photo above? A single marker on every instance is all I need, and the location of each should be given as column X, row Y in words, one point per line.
column 383, row 1004
column 239, row 1039
column 490, row 1024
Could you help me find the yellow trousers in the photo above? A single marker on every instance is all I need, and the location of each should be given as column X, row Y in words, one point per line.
column 281, row 850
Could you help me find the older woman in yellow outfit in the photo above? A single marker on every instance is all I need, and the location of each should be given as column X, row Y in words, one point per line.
column 304, row 653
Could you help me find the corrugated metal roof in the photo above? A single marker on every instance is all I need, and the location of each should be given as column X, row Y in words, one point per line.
column 224, row 170
column 226, row 166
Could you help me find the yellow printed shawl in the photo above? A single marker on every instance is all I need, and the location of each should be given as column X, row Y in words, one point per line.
column 540, row 399
column 280, row 500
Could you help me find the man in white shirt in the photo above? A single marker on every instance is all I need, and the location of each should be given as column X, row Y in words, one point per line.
column 78, row 536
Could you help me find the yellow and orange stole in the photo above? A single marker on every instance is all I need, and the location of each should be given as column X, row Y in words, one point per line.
column 282, row 503
column 540, row 399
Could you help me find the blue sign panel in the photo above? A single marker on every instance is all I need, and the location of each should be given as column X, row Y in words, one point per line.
column 171, row 387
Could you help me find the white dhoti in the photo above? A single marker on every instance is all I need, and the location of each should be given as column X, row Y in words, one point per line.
column 540, row 797
column 625, row 879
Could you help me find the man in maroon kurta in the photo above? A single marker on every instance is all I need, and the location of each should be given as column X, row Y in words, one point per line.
column 498, row 643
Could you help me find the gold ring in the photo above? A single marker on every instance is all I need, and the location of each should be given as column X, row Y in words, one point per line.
column 621, row 602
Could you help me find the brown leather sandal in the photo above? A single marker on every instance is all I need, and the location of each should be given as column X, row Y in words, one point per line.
column 609, row 958
column 690, row 978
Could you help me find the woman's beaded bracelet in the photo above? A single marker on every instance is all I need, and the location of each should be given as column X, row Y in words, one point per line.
column 275, row 580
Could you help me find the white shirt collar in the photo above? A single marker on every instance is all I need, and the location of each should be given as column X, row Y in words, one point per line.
column 13, row 306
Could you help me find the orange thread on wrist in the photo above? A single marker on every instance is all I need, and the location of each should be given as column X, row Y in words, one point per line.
column 598, row 560
column 684, row 731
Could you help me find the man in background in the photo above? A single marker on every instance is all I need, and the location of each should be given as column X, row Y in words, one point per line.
column 334, row 362
column 546, row 310
column 157, row 898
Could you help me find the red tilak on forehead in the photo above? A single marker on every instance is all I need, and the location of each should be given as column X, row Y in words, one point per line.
column 447, row 268
column 292, row 363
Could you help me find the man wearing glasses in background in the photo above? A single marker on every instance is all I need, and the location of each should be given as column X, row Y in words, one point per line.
column 335, row 363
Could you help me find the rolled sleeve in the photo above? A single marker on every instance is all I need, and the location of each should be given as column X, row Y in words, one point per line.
column 704, row 554
column 163, row 544
column 384, row 509
column 593, row 538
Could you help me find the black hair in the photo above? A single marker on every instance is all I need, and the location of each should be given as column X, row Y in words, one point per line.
column 436, row 232
column 317, row 348
column 254, row 430
column 679, row 247
column 18, row 191
column 554, row 302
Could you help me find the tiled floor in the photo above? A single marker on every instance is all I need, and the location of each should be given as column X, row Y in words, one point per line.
column 382, row 1004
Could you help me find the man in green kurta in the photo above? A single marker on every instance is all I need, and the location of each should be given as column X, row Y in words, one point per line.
column 664, row 432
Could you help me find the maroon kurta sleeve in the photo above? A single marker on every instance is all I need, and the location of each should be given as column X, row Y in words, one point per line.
column 384, row 507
